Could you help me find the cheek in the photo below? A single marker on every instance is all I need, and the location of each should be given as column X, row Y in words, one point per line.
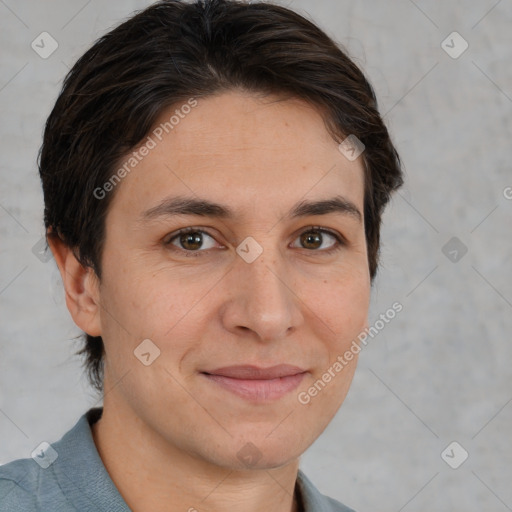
column 137, row 295
column 343, row 306
column 352, row 313
column 150, row 304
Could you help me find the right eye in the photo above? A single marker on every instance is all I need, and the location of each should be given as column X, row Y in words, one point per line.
column 190, row 241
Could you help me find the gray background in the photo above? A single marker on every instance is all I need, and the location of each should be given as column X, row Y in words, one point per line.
column 440, row 371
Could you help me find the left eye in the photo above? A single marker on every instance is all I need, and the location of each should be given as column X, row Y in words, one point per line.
column 314, row 238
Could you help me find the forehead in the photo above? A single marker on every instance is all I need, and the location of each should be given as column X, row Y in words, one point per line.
column 243, row 150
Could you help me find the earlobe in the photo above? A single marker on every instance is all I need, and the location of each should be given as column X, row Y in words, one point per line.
column 81, row 286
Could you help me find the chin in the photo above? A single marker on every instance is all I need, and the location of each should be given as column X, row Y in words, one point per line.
column 250, row 452
column 261, row 452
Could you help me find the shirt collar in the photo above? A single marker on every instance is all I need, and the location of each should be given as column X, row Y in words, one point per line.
column 80, row 470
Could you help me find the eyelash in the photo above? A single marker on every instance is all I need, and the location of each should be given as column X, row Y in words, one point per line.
column 340, row 240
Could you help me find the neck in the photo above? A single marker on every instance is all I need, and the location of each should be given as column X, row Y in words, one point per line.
column 152, row 474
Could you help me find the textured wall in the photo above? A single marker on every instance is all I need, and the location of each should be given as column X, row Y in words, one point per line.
column 440, row 370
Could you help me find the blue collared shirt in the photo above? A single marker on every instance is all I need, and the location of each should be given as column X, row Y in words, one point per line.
column 69, row 475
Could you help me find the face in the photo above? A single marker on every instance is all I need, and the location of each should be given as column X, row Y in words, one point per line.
column 257, row 280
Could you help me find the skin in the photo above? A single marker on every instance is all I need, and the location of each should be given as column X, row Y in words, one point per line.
column 168, row 436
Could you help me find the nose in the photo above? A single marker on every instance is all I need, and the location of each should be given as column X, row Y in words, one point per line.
column 261, row 300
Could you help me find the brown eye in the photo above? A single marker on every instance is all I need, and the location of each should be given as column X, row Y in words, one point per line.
column 191, row 240
column 311, row 239
column 317, row 240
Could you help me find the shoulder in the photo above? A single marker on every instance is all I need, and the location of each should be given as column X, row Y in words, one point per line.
column 18, row 483
column 49, row 480
column 27, row 487
column 314, row 501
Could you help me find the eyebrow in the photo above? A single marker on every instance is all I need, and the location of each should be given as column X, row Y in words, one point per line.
column 180, row 205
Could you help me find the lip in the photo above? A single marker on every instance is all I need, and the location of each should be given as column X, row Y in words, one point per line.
column 257, row 384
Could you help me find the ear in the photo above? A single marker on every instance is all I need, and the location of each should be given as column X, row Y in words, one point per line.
column 81, row 285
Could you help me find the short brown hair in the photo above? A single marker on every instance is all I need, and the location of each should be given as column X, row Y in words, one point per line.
column 172, row 51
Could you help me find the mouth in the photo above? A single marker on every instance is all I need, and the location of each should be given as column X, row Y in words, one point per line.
column 257, row 384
